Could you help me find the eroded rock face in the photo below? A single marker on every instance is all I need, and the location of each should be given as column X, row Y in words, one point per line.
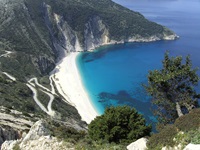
column 140, row 144
column 95, row 34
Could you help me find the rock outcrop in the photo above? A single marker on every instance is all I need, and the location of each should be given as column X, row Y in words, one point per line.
column 13, row 124
column 8, row 133
column 38, row 138
column 181, row 147
column 192, row 147
column 140, row 144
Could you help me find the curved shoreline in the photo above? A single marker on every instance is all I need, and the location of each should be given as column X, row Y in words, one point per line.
column 69, row 84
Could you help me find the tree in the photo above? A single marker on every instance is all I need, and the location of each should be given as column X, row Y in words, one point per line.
column 119, row 124
column 172, row 88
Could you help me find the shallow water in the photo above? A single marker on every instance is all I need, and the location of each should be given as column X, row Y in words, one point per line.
column 113, row 74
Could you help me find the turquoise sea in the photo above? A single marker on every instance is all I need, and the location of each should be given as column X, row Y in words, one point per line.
column 113, row 74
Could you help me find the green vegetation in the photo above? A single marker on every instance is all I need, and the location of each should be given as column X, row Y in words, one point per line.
column 29, row 31
column 79, row 139
column 120, row 124
column 61, row 131
column 25, row 30
column 189, row 121
column 121, row 22
column 185, row 130
column 16, row 95
column 116, row 128
column 172, row 88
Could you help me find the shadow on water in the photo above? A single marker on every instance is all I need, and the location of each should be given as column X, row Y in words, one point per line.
column 124, row 98
column 103, row 50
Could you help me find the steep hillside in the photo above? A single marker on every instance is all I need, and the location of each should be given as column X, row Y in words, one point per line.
column 38, row 31
column 35, row 34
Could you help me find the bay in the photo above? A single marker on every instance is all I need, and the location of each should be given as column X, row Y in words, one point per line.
column 113, row 74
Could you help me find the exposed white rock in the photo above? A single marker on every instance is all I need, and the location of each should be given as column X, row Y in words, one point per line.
column 95, row 34
column 38, row 138
column 9, row 145
column 46, row 143
column 140, row 144
column 36, row 131
column 15, row 122
column 192, row 147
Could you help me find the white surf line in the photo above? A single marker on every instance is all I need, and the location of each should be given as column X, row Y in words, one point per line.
column 9, row 76
column 6, row 54
column 36, row 99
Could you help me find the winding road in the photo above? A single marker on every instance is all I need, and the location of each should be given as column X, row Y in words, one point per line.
column 6, row 54
column 8, row 75
column 32, row 83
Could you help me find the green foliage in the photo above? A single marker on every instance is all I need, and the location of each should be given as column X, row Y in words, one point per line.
column 173, row 86
column 164, row 138
column 194, row 136
column 16, row 95
column 121, row 22
column 189, row 121
column 64, row 132
column 185, row 130
column 118, row 124
column 67, row 133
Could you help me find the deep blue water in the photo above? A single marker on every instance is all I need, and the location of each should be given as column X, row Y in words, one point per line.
column 113, row 74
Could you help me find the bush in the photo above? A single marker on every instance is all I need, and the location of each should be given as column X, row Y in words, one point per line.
column 194, row 136
column 68, row 133
column 164, row 138
column 119, row 125
column 189, row 121
column 186, row 129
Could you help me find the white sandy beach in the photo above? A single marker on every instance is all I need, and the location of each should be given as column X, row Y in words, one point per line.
column 68, row 82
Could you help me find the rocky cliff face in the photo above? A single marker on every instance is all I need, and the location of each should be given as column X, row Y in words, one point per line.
column 95, row 33
column 66, row 40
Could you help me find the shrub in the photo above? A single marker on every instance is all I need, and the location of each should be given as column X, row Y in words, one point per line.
column 194, row 136
column 164, row 138
column 189, row 124
column 119, row 125
column 189, row 121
